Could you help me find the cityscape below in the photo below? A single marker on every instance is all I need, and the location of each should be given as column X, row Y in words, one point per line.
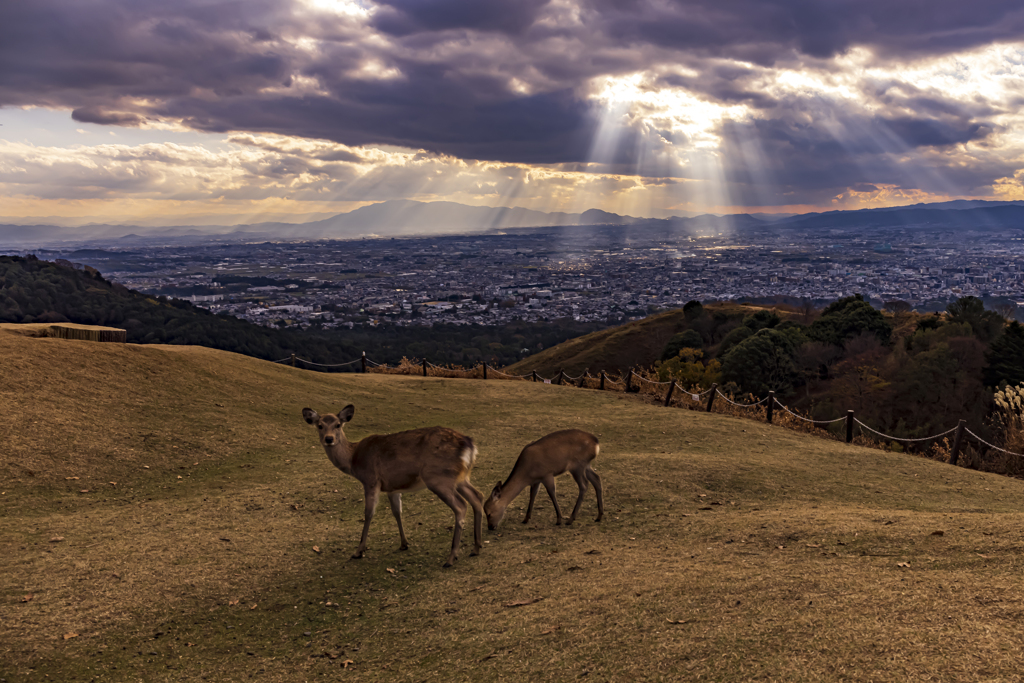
column 605, row 273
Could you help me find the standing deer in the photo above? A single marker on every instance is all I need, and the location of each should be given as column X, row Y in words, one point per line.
column 437, row 458
column 570, row 450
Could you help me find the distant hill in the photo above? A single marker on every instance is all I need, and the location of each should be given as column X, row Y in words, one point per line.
column 924, row 217
column 32, row 290
column 635, row 344
column 406, row 217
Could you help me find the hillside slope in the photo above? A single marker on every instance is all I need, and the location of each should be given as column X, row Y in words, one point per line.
column 635, row 344
column 613, row 350
column 168, row 516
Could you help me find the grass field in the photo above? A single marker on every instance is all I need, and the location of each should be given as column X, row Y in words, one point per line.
column 166, row 515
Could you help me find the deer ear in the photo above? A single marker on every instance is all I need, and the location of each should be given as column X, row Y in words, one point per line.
column 346, row 413
column 310, row 416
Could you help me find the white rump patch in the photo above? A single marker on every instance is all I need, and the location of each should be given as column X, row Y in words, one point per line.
column 597, row 449
column 469, row 456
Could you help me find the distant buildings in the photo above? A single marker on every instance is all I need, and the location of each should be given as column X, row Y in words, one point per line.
column 605, row 274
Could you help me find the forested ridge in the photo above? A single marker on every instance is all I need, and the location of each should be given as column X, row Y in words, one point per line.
column 907, row 374
column 34, row 290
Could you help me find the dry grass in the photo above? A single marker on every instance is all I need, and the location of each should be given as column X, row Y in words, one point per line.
column 731, row 550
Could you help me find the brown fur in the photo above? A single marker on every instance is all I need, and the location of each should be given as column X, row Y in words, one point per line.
column 436, row 458
column 569, row 450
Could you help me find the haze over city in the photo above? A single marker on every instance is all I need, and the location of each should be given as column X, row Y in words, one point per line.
column 193, row 112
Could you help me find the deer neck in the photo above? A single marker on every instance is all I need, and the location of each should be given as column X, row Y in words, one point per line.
column 510, row 489
column 340, row 454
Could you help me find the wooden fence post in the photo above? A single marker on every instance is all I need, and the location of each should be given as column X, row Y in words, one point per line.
column 293, row 360
column 957, row 440
column 771, row 406
column 485, row 370
column 668, row 396
column 602, row 380
column 561, row 374
column 583, row 379
column 534, row 375
column 424, row 367
column 629, row 381
column 711, row 398
column 849, row 426
column 363, row 361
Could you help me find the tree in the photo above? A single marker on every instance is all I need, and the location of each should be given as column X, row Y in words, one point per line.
column 897, row 307
column 931, row 322
column 762, row 363
column 808, row 312
column 687, row 369
column 687, row 339
column 1006, row 357
column 735, row 336
column 693, row 310
column 816, row 359
column 846, row 318
column 971, row 310
column 762, row 319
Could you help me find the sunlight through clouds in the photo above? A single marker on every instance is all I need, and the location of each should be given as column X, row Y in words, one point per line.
column 648, row 109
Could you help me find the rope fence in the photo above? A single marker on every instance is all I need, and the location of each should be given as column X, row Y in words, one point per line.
column 636, row 382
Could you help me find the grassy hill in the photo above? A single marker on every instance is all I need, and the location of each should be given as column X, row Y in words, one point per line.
column 161, row 506
column 636, row 344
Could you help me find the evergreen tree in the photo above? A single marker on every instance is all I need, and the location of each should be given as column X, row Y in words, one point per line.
column 762, row 363
column 687, row 339
column 1006, row 357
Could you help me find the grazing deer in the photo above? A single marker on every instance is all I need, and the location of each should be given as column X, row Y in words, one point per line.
column 570, row 450
column 437, row 458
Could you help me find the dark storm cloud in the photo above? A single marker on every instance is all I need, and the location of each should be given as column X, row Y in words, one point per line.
column 763, row 31
column 58, row 51
column 100, row 116
column 402, row 17
column 932, row 133
column 798, row 162
column 238, row 66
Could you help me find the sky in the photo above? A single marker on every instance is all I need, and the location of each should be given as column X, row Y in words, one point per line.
column 215, row 111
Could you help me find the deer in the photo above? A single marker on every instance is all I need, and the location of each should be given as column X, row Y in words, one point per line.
column 436, row 458
column 569, row 450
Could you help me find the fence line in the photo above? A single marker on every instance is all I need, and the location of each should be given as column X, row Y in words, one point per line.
column 605, row 382
column 741, row 405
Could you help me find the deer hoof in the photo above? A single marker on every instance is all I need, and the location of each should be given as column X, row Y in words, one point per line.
column 357, row 556
column 404, row 547
column 447, row 565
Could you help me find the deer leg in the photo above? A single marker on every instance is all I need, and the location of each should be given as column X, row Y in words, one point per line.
column 371, row 505
column 596, row 481
column 581, row 481
column 549, row 485
column 452, row 499
column 533, row 497
column 475, row 499
column 396, row 509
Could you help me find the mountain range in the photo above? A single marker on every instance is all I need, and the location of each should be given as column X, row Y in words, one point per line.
column 407, row 217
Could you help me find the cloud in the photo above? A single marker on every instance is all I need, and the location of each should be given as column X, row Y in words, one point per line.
column 785, row 101
column 404, row 17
